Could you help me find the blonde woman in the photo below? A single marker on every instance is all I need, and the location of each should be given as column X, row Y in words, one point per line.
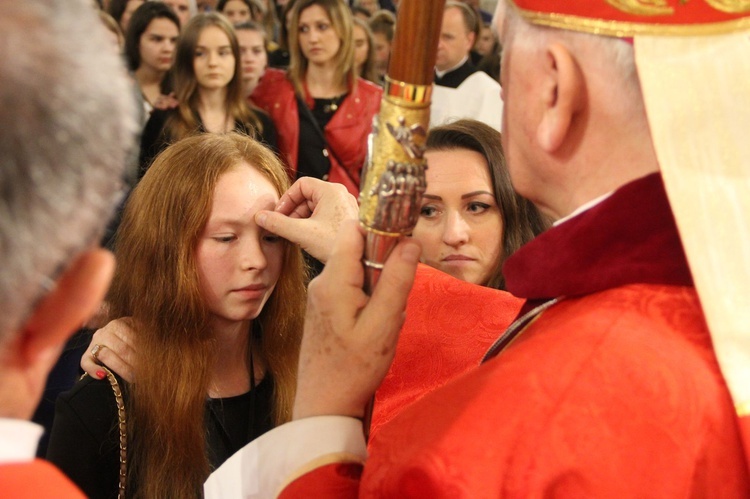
column 322, row 109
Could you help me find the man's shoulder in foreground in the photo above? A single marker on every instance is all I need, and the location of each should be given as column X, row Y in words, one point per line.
column 36, row 479
column 616, row 394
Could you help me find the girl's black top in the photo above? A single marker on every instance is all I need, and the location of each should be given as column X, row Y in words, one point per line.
column 84, row 442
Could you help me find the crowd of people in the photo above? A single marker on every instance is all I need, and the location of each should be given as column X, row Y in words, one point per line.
column 285, row 69
column 538, row 333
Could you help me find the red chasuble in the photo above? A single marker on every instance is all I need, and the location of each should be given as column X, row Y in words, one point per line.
column 612, row 392
column 36, row 479
column 449, row 326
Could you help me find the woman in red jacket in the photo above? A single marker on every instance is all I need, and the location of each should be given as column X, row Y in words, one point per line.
column 322, row 111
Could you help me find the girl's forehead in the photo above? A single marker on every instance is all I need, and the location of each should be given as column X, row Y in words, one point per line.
column 238, row 196
column 245, row 181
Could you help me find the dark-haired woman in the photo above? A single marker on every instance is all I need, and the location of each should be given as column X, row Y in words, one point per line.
column 471, row 219
column 149, row 50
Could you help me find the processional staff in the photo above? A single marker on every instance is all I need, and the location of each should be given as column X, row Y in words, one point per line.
column 393, row 179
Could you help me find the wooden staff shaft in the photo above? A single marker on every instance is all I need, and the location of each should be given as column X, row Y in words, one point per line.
column 415, row 42
column 405, row 107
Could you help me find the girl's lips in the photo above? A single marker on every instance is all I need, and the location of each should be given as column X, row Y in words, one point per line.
column 252, row 291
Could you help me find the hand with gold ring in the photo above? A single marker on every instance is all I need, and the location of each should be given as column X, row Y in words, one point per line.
column 111, row 346
column 95, row 353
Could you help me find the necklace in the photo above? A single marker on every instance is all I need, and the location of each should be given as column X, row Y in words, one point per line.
column 219, row 416
column 332, row 104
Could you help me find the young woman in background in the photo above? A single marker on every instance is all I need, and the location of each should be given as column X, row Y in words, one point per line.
column 252, row 39
column 150, row 49
column 471, row 218
column 322, row 110
column 239, row 11
column 208, row 86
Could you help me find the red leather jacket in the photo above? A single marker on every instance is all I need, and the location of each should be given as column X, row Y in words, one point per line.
column 346, row 133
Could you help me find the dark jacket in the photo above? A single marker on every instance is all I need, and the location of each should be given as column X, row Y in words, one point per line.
column 453, row 79
column 155, row 139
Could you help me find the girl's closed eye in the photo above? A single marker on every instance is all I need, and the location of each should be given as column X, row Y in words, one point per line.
column 224, row 238
column 272, row 238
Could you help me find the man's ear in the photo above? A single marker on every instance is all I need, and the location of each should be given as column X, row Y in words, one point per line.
column 563, row 94
column 76, row 296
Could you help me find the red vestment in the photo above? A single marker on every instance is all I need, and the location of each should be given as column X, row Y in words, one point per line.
column 36, row 479
column 612, row 392
column 434, row 346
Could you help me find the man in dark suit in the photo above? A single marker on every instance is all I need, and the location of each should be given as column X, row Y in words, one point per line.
column 457, row 35
column 461, row 90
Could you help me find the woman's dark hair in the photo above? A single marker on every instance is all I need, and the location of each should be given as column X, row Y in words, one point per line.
column 383, row 22
column 490, row 63
column 139, row 22
column 522, row 221
column 253, row 26
column 116, row 9
column 284, row 40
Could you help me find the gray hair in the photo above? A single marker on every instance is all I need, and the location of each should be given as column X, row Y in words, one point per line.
column 613, row 56
column 67, row 116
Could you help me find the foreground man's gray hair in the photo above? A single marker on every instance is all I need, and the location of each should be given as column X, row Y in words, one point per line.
column 67, row 129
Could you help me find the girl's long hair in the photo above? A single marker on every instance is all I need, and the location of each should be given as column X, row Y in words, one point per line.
column 521, row 220
column 157, row 284
column 184, row 121
column 342, row 23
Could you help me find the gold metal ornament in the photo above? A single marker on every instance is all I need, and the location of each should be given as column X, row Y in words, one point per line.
column 643, row 7
column 393, row 180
